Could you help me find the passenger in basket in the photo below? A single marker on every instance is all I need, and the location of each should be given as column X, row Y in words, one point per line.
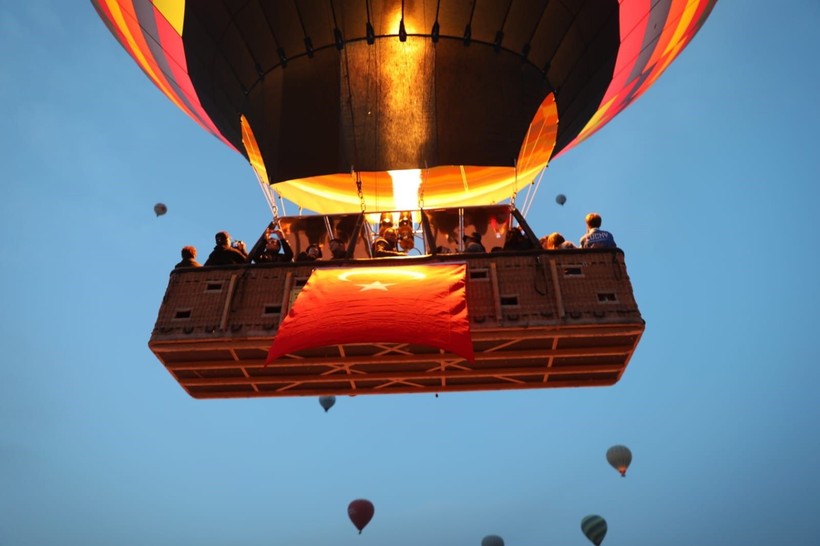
column 188, row 258
column 517, row 240
column 595, row 237
column 310, row 254
column 338, row 249
column 555, row 241
column 385, row 245
column 225, row 253
column 472, row 243
column 273, row 245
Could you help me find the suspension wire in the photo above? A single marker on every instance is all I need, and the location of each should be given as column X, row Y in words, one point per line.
column 308, row 41
column 273, row 208
column 527, row 200
column 524, row 206
column 267, row 191
column 281, row 205
column 349, row 96
column 530, row 199
column 499, row 35
column 468, row 30
column 532, row 189
column 531, row 193
column 515, row 184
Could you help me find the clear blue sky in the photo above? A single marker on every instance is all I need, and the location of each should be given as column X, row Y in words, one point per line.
column 709, row 182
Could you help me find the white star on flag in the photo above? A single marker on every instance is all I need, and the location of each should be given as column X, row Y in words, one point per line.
column 375, row 285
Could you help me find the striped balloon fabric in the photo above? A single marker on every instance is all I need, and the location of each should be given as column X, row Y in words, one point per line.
column 594, row 527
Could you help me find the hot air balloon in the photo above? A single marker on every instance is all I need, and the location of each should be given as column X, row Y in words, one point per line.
column 327, row 402
column 561, row 199
column 436, row 113
column 360, row 512
column 594, row 528
column 620, row 457
column 160, row 209
column 492, row 540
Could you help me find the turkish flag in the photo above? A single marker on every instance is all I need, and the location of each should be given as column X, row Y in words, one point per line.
column 419, row 304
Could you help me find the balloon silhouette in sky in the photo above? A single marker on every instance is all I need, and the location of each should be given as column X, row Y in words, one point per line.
column 594, row 528
column 327, row 402
column 492, row 540
column 619, row 457
column 360, row 512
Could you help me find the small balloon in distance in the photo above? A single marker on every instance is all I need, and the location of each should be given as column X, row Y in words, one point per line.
column 561, row 199
column 620, row 457
column 327, row 402
column 594, row 528
column 492, row 540
column 160, row 209
column 360, row 512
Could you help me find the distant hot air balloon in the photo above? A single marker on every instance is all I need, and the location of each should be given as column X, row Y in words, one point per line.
column 160, row 209
column 327, row 402
column 594, row 528
column 619, row 457
column 561, row 199
column 492, row 540
column 360, row 512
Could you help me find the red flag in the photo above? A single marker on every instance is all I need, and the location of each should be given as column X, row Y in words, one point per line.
column 420, row 304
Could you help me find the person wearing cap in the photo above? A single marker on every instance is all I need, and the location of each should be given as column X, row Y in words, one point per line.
column 472, row 243
column 271, row 251
column 225, row 254
column 595, row 237
column 385, row 246
column 188, row 258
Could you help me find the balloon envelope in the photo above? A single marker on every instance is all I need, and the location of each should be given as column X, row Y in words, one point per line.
column 560, row 198
column 327, row 402
column 294, row 94
column 492, row 540
column 594, row 528
column 360, row 512
column 160, row 209
column 620, row 457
